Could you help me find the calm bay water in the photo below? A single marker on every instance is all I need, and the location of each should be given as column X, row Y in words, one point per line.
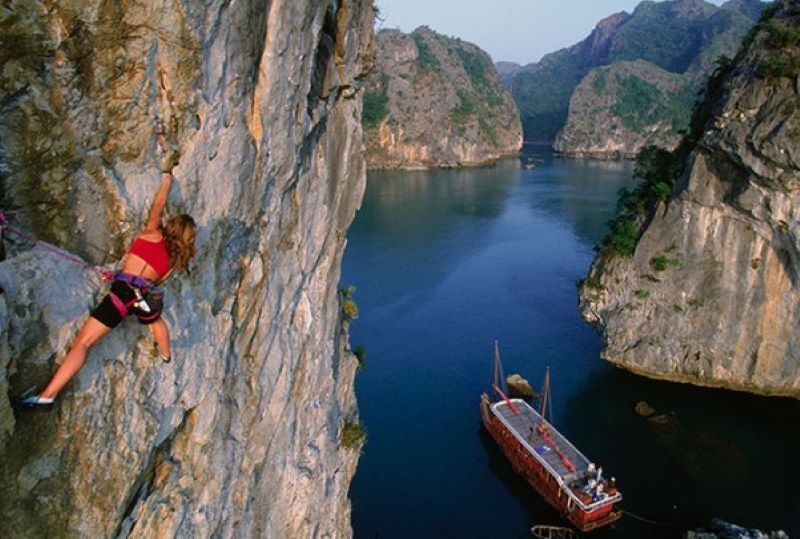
column 447, row 262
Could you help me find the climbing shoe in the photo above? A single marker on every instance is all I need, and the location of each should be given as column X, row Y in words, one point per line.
column 35, row 403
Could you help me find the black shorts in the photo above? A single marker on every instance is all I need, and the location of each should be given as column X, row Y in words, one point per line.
column 107, row 313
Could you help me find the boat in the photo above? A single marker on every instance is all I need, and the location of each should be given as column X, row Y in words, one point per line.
column 555, row 468
column 541, row 531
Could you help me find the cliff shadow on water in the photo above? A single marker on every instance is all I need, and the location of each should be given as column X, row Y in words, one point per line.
column 683, row 455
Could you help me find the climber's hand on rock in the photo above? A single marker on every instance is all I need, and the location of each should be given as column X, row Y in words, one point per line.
column 169, row 155
column 169, row 161
column 161, row 142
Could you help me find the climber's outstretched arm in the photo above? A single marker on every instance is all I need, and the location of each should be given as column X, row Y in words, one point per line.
column 160, row 200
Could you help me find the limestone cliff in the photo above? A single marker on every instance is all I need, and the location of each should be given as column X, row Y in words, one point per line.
column 605, row 109
column 241, row 434
column 436, row 101
column 617, row 110
column 710, row 295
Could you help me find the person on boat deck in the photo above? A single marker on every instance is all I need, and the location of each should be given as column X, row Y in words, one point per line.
column 158, row 250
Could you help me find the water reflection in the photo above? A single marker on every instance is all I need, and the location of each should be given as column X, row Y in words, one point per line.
column 421, row 222
column 578, row 190
column 448, row 261
column 703, row 452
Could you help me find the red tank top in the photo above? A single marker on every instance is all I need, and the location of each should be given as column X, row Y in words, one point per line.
column 154, row 253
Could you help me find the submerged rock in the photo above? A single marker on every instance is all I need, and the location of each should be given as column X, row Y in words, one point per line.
column 707, row 458
column 644, row 409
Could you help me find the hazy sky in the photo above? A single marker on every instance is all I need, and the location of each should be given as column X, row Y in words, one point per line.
column 514, row 30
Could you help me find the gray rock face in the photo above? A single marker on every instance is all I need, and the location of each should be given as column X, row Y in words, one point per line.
column 240, row 435
column 710, row 295
column 436, row 101
column 719, row 529
column 601, row 123
column 618, row 109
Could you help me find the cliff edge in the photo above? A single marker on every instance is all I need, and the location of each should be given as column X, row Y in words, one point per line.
column 710, row 293
column 241, row 433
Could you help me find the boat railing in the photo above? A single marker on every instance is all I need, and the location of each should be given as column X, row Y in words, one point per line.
column 611, row 499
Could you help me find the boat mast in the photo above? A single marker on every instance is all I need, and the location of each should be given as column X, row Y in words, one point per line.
column 497, row 368
column 498, row 379
column 545, row 398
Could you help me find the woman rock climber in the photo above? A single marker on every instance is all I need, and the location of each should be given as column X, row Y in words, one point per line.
column 158, row 250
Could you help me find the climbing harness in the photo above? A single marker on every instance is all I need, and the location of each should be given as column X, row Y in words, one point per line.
column 105, row 274
column 147, row 297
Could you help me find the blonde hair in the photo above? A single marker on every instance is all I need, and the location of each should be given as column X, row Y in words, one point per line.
column 179, row 233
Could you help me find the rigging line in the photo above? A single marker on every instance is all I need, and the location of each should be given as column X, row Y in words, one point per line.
column 4, row 224
column 654, row 522
column 104, row 273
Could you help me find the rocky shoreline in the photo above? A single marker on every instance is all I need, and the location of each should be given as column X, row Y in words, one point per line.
column 709, row 295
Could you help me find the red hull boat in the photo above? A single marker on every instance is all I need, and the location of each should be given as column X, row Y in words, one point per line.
column 555, row 468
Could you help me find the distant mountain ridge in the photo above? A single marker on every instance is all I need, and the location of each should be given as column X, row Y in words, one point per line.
column 435, row 101
column 678, row 37
column 507, row 70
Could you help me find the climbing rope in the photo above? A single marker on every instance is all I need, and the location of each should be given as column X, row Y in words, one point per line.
column 106, row 274
column 165, row 133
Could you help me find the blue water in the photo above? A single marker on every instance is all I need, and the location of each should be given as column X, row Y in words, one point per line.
column 447, row 262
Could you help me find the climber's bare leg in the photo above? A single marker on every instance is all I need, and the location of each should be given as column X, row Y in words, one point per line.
column 161, row 335
column 91, row 332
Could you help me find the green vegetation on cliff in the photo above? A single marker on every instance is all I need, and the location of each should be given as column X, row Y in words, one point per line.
column 679, row 36
column 657, row 171
column 465, row 109
column 783, row 58
column 438, row 101
column 376, row 104
column 668, row 34
column 375, row 108
column 354, row 435
column 426, row 60
column 640, row 103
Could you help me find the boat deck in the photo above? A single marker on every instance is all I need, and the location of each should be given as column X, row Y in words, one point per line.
column 524, row 425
